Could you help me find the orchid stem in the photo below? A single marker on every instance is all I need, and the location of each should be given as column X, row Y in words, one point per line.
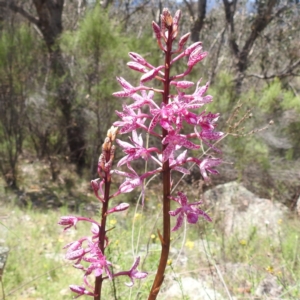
column 99, row 280
column 166, row 173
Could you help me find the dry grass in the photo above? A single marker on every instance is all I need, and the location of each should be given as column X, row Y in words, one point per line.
column 36, row 268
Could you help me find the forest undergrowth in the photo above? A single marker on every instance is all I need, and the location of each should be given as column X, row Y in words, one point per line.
column 233, row 267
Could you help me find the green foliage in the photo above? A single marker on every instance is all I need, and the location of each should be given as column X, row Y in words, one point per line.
column 292, row 131
column 243, row 150
column 290, row 101
column 274, row 97
column 97, row 47
column 100, row 52
column 249, row 151
column 223, row 92
column 97, row 32
column 15, row 69
column 275, row 100
column 16, row 50
column 271, row 96
column 265, row 103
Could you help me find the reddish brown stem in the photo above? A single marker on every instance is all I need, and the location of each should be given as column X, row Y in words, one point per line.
column 102, row 231
column 165, row 242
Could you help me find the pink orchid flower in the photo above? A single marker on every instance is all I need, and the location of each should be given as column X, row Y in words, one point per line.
column 190, row 210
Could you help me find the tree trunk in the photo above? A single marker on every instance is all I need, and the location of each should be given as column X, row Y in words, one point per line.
column 264, row 15
column 198, row 20
column 50, row 23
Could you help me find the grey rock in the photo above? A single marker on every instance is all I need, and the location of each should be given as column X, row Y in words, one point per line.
column 3, row 258
column 239, row 211
column 192, row 289
column 269, row 287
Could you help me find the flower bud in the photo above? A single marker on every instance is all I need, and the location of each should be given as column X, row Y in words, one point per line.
column 183, row 40
column 167, row 18
column 119, row 207
column 112, row 133
column 182, row 84
column 137, row 58
column 176, row 18
column 96, row 185
column 175, row 23
column 151, row 74
column 191, row 48
column 68, row 221
column 107, row 144
column 137, row 67
column 80, row 290
column 196, row 56
column 126, row 85
column 156, row 30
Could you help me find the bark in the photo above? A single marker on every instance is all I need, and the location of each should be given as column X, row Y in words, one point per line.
column 131, row 12
column 198, row 19
column 50, row 24
column 289, row 70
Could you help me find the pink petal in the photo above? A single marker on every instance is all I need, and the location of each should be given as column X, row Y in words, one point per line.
column 192, row 217
column 183, row 198
column 123, row 94
column 179, row 222
column 181, row 170
column 202, row 90
column 123, row 161
column 191, row 48
column 149, row 75
column 168, row 152
column 129, row 284
column 181, row 156
column 204, row 215
column 98, row 272
column 140, row 275
column 196, row 56
column 125, row 84
column 135, row 264
column 95, row 229
column 154, row 121
column 175, row 212
column 74, row 254
column 188, row 144
column 124, row 144
column 182, row 84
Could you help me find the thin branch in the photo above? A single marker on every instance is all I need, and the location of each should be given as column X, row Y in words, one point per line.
column 288, row 71
column 215, row 62
column 294, row 91
column 260, row 23
column 190, row 9
column 230, row 8
column 18, row 9
column 138, row 8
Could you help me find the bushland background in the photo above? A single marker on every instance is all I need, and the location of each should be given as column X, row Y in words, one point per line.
column 58, row 63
